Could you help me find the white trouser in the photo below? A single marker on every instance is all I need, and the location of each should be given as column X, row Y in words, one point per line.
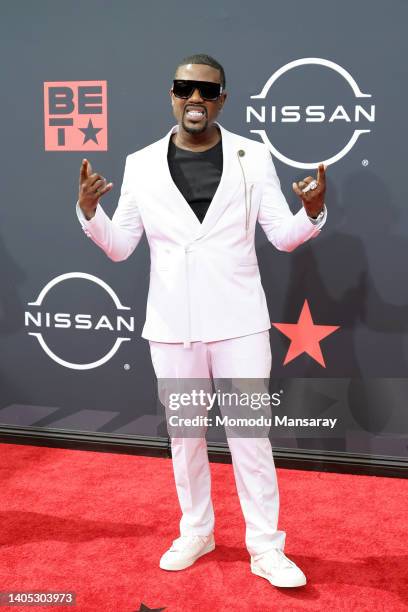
column 253, row 464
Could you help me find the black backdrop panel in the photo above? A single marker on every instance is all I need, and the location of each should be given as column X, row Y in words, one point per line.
column 112, row 63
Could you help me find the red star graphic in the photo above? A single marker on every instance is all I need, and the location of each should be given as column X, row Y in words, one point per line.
column 305, row 336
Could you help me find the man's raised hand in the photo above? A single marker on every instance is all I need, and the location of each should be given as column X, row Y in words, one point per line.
column 91, row 187
column 312, row 199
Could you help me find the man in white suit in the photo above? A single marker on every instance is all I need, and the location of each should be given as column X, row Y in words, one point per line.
column 198, row 193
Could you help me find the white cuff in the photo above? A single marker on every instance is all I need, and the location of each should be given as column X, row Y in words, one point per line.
column 83, row 220
column 320, row 219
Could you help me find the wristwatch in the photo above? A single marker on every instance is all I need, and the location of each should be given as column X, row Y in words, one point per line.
column 319, row 216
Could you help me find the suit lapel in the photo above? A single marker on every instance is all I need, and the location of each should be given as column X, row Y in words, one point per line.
column 230, row 181
column 167, row 185
column 228, row 185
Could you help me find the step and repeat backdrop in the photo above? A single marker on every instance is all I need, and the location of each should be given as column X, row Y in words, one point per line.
column 92, row 80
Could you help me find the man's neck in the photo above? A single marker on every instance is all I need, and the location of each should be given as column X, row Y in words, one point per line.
column 197, row 142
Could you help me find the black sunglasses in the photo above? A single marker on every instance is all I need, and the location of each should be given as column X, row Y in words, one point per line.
column 183, row 88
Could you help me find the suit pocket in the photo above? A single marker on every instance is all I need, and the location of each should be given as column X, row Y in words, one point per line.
column 170, row 259
column 162, row 260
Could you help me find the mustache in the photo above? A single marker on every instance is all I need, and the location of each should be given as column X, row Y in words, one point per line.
column 196, row 107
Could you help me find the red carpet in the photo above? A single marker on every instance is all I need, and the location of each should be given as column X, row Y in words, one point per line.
column 97, row 523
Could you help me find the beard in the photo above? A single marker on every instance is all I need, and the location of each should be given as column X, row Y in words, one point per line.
column 193, row 129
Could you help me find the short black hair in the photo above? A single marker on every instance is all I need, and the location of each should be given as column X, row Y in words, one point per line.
column 202, row 58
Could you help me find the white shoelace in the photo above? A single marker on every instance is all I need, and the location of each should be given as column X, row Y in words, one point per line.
column 184, row 542
column 276, row 558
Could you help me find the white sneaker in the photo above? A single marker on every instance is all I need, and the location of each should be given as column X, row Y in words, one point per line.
column 185, row 551
column 278, row 569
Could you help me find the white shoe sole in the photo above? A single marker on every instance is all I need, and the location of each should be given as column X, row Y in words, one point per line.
column 175, row 567
column 300, row 582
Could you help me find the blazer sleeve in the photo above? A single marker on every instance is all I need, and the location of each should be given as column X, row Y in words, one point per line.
column 285, row 230
column 118, row 236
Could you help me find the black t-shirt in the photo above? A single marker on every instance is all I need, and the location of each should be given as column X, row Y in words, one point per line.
column 196, row 175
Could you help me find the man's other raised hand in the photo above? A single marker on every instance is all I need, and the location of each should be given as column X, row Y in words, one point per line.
column 91, row 187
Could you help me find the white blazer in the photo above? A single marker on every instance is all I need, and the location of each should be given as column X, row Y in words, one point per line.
column 204, row 277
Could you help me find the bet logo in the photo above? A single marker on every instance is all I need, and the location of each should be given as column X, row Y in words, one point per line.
column 75, row 116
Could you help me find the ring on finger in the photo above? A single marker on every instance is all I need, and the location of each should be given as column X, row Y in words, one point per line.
column 312, row 185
